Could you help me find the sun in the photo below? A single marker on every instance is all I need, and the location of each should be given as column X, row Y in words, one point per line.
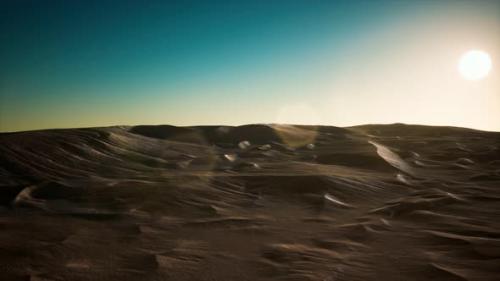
column 474, row 65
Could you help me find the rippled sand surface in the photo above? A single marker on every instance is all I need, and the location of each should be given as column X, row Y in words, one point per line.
column 256, row 202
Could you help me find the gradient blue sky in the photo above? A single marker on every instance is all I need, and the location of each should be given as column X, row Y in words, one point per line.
column 98, row 63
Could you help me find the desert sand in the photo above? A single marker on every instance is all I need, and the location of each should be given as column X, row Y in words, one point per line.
column 254, row 202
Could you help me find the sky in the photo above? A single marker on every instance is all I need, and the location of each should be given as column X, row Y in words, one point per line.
column 66, row 64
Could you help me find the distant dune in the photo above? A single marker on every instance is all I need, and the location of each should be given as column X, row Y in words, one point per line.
column 254, row 202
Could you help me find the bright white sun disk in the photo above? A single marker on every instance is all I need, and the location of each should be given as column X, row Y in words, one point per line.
column 474, row 65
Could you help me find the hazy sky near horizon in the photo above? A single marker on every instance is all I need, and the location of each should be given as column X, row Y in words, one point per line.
column 99, row 63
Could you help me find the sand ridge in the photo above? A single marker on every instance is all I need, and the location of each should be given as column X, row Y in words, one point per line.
column 253, row 202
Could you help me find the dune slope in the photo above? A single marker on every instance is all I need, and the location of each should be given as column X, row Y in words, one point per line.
column 254, row 202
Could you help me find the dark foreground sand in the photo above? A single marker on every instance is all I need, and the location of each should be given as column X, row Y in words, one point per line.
column 257, row 202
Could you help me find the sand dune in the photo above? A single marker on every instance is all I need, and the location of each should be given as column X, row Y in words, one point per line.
column 255, row 202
